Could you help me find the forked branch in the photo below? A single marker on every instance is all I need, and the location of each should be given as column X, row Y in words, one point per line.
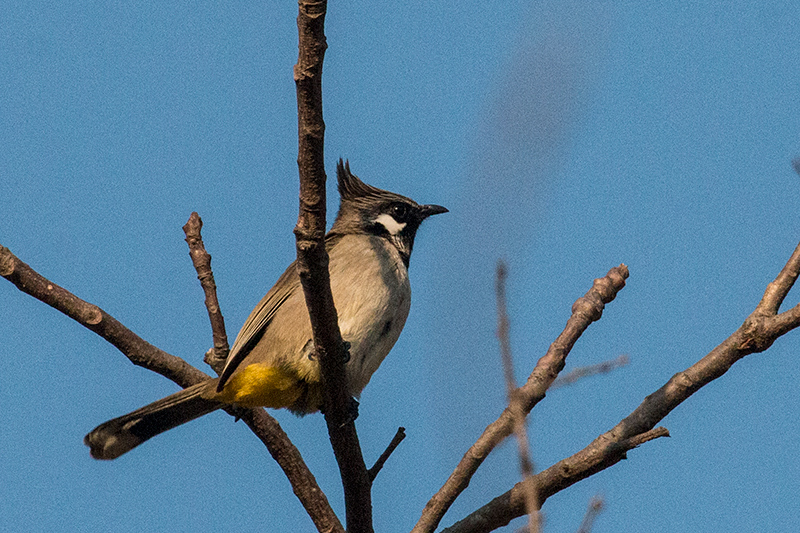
column 585, row 310
column 756, row 334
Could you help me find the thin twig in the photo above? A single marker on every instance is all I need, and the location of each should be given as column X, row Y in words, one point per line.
column 525, row 462
column 395, row 442
column 312, row 266
column 594, row 508
column 759, row 330
column 201, row 260
column 265, row 427
column 585, row 310
column 592, row 370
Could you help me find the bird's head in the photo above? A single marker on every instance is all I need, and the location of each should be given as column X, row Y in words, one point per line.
column 365, row 209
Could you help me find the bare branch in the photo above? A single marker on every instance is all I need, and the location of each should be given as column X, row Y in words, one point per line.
column 144, row 354
column 201, row 260
column 395, row 442
column 312, row 266
column 756, row 334
column 288, row 457
column 525, row 462
column 265, row 427
column 592, row 370
column 585, row 310
column 599, row 455
column 136, row 349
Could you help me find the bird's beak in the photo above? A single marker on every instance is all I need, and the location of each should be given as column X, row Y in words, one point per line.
column 430, row 209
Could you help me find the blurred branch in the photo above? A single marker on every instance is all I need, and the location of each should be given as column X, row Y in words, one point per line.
column 312, row 266
column 756, row 334
column 525, row 462
column 587, row 309
column 595, row 507
column 265, row 427
column 592, row 370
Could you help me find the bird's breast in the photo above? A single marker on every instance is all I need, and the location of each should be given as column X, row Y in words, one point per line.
column 372, row 295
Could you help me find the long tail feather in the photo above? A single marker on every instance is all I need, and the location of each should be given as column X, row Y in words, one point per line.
column 120, row 435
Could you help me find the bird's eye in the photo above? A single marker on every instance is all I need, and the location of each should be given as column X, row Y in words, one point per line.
column 399, row 212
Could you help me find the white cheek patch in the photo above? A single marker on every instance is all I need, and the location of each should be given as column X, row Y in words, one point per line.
column 391, row 225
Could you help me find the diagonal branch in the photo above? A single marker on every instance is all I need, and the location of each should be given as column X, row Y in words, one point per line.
column 139, row 351
column 395, row 442
column 144, row 354
column 312, row 266
column 585, row 310
column 259, row 421
column 756, row 334
column 501, row 510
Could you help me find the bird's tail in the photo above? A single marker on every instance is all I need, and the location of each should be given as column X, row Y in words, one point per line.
column 120, row 435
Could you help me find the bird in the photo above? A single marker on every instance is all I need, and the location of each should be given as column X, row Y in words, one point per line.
column 272, row 362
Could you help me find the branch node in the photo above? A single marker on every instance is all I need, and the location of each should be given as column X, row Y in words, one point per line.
column 8, row 262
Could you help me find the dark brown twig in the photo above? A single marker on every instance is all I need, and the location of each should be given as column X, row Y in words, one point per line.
column 312, row 266
column 523, row 447
column 395, row 442
column 201, row 260
column 585, row 310
column 139, row 351
column 759, row 330
column 592, row 370
column 265, row 427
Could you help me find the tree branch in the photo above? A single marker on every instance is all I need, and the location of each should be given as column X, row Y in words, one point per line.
column 585, row 310
column 514, row 404
column 592, row 370
column 592, row 510
column 395, row 442
column 312, row 266
column 144, row 354
column 136, row 349
column 592, row 459
column 201, row 259
column 265, row 427
column 756, row 334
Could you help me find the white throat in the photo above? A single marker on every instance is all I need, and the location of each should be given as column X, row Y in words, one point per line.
column 391, row 225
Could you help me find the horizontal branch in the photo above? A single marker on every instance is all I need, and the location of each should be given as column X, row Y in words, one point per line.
column 592, row 370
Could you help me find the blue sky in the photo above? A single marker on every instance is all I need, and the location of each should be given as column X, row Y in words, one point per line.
column 564, row 138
